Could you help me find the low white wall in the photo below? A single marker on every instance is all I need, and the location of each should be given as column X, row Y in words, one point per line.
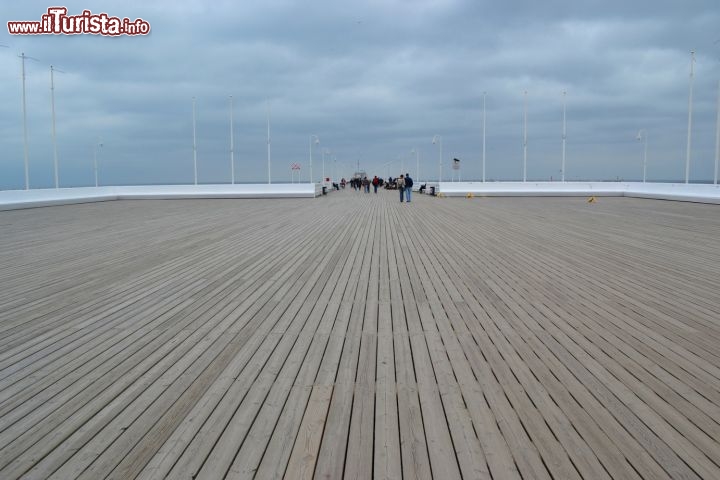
column 702, row 193
column 15, row 199
column 675, row 191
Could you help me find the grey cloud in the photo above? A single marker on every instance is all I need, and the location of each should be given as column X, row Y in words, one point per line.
column 373, row 80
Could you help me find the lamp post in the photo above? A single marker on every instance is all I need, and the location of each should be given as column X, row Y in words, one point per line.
column 324, row 151
column 438, row 139
column 417, row 161
column 98, row 145
column 525, row 136
column 194, row 143
column 268, row 141
column 642, row 135
column 317, row 142
column 25, row 139
column 483, row 139
column 232, row 145
column 564, row 138
column 717, row 139
column 54, row 136
column 689, row 135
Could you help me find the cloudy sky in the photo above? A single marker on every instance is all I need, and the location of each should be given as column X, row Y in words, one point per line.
column 373, row 79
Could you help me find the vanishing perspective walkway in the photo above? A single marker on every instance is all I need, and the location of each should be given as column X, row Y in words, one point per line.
column 352, row 336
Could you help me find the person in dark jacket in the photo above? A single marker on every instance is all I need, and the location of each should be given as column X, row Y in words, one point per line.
column 408, row 187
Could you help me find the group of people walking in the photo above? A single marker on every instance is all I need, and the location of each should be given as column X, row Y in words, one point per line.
column 404, row 185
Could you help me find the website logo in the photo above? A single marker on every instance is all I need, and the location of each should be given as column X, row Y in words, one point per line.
column 57, row 22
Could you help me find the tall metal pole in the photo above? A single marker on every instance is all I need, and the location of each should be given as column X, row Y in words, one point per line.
column 438, row 139
column 98, row 145
column 525, row 136
column 268, row 141
column 232, row 145
column 689, row 135
column 25, row 139
column 416, row 151
column 717, row 139
column 324, row 151
column 317, row 141
column 194, row 143
column 645, row 158
column 54, row 137
column 564, row 138
column 95, row 165
column 483, row 139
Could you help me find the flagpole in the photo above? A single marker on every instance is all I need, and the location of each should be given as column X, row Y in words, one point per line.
column 25, row 140
column 194, row 143
column 483, row 139
column 645, row 158
column 54, row 136
column 689, row 135
column 317, row 142
column 417, row 162
column 268, row 141
column 717, row 138
column 525, row 136
column 438, row 139
column 564, row 137
column 232, row 145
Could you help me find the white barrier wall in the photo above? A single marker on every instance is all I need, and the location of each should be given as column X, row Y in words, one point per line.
column 662, row 191
column 14, row 199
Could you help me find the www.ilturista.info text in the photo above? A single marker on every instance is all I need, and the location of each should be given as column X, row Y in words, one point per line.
column 57, row 22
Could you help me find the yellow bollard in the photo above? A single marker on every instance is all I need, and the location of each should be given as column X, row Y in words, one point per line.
column 470, row 195
column 592, row 199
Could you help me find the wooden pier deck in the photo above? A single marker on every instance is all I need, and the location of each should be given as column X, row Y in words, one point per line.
column 352, row 336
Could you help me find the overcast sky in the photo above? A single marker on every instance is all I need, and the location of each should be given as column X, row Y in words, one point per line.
column 373, row 80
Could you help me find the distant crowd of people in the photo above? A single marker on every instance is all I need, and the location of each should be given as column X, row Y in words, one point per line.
column 403, row 184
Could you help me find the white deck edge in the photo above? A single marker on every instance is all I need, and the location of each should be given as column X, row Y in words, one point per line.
column 18, row 199
column 700, row 193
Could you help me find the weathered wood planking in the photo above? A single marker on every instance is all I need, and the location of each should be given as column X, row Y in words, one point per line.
column 352, row 336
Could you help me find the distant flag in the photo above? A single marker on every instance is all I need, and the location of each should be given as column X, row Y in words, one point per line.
column 456, row 164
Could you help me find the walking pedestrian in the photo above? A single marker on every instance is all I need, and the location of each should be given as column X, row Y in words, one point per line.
column 401, row 187
column 375, row 182
column 366, row 184
column 408, row 187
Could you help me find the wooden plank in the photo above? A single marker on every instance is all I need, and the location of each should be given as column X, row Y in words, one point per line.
column 484, row 338
column 304, row 455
